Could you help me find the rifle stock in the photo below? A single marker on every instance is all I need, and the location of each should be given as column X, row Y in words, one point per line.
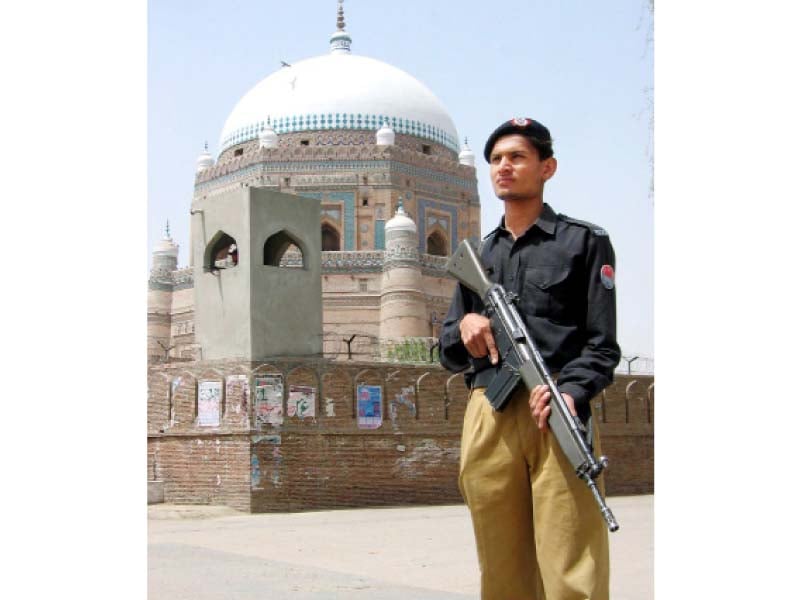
column 520, row 360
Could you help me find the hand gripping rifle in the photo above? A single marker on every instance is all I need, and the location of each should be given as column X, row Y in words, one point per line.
column 520, row 359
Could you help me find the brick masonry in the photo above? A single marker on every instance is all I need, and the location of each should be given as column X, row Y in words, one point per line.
column 327, row 461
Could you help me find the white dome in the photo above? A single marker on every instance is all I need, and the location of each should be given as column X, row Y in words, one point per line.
column 400, row 221
column 205, row 160
column 165, row 246
column 339, row 91
column 385, row 136
column 268, row 138
column 467, row 156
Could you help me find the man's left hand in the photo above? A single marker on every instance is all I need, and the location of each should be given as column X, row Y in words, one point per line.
column 540, row 405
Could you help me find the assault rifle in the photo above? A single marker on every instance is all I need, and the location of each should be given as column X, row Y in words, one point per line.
column 520, row 360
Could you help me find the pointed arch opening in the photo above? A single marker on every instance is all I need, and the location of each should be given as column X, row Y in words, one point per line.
column 283, row 250
column 222, row 252
column 436, row 244
column 331, row 240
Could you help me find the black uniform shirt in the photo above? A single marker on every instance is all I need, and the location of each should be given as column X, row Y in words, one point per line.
column 562, row 271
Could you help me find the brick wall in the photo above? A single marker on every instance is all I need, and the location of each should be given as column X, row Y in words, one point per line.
column 327, row 461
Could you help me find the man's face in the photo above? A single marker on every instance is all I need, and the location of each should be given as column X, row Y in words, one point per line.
column 516, row 171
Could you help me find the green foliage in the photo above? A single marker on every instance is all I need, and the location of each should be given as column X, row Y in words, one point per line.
column 412, row 350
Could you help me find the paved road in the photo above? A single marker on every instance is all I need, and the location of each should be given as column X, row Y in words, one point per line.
column 419, row 553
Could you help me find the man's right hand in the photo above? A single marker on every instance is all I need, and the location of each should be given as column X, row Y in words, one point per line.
column 476, row 333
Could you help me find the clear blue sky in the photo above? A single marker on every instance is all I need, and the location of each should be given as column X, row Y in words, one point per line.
column 584, row 69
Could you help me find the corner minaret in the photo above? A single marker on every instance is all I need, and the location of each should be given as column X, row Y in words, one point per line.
column 165, row 254
column 340, row 39
column 403, row 310
column 204, row 161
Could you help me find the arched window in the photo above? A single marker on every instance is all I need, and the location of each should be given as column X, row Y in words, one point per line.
column 436, row 244
column 282, row 250
column 222, row 252
column 330, row 239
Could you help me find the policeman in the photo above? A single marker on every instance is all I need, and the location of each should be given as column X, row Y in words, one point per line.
column 537, row 528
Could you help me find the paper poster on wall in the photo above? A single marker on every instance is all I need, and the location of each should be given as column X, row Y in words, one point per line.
column 370, row 413
column 269, row 399
column 176, row 384
column 301, row 401
column 209, row 400
column 237, row 394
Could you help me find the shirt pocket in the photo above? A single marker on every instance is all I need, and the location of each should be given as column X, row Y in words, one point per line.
column 546, row 291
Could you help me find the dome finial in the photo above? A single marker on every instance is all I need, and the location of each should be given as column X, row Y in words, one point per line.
column 340, row 17
column 206, row 145
column 166, row 231
column 340, row 40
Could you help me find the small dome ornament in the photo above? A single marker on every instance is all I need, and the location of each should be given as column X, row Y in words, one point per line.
column 385, row 135
column 165, row 249
column 268, row 138
column 340, row 39
column 401, row 221
column 204, row 161
column 466, row 156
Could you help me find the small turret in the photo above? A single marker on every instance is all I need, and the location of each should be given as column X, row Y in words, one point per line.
column 268, row 138
column 165, row 254
column 204, row 161
column 385, row 135
column 466, row 156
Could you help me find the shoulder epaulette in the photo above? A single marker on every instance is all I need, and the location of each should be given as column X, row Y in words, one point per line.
column 596, row 229
column 482, row 243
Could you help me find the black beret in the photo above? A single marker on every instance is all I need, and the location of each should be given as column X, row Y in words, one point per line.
column 537, row 133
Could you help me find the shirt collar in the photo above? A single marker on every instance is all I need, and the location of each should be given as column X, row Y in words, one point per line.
column 546, row 222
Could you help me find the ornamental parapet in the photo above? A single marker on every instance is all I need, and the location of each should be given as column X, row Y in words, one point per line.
column 333, row 143
column 162, row 279
column 372, row 261
column 286, row 159
column 365, row 261
column 183, row 276
column 433, row 265
column 368, row 261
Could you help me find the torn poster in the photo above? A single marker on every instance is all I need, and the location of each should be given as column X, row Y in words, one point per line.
column 209, row 400
column 269, row 399
column 301, row 401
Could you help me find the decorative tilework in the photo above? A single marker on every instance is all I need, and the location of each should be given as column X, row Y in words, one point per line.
column 332, row 213
column 422, row 204
column 310, row 122
column 337, row 165
column 349, row 201
column 407, row 169
column 314, row 195
column 380, row 234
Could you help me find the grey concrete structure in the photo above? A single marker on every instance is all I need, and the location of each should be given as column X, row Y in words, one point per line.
column 257, row 274
column 420, row 553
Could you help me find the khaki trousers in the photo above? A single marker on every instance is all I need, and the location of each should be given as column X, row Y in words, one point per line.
column 538, row 531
